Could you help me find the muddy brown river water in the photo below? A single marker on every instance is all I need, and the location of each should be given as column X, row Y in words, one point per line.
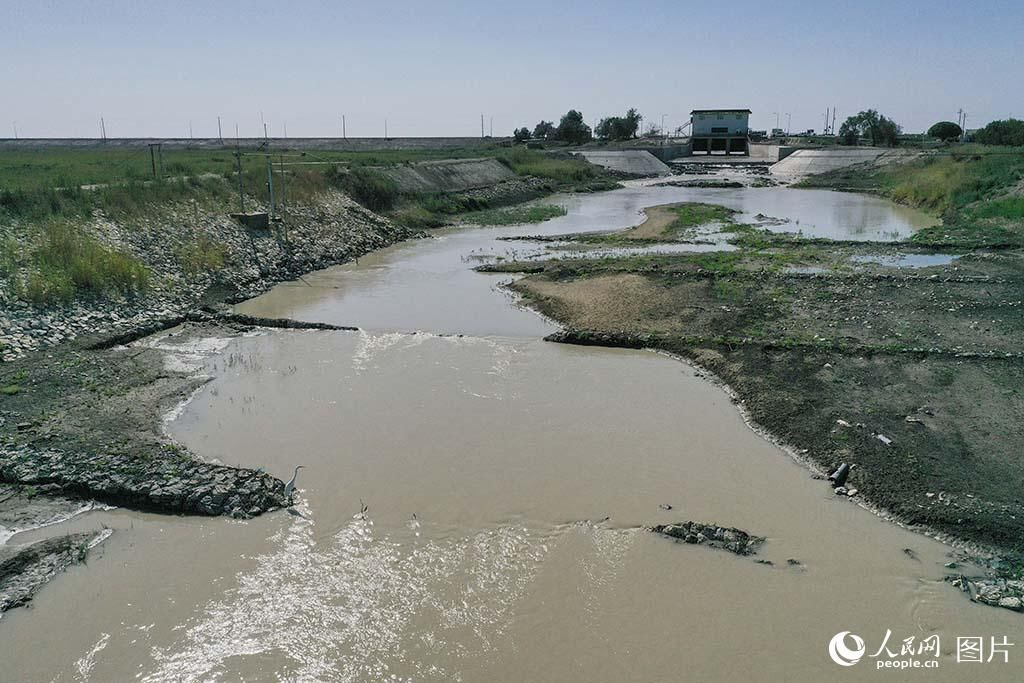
column 506, row 480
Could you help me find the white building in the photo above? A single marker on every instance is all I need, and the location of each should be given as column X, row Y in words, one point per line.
column 719, row 130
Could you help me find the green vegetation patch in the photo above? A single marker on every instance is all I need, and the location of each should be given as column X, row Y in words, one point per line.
column 65, row 263
column 696, row 214
column 201, row 255
column 565, row 169
column 515, row 215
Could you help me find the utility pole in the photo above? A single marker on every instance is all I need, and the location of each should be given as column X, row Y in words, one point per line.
column 385, row 129
column 270, row 184
column 238, row 165
column 492, row 127
column 481, row 126
column 190, row 131
column 15, row 130
column 344, row 135
column 220, row 134
column 788, row 119
column 285, row 130
column 664, row 134
column 833, row 120
column 103, row 129
column 284, row 190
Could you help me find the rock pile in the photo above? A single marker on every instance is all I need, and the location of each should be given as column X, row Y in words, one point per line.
column 1006, row 593
column 727, row 538
column 24, row 570
column 168, row 484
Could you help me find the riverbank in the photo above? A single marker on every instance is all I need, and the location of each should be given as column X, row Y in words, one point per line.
column 840, row 350
column 87, row 276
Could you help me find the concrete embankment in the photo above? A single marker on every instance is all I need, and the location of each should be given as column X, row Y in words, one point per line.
column 628, row 162
column 448, row 175
column 807, row 162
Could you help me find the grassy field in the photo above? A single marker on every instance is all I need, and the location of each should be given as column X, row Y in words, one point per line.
column 45, row 191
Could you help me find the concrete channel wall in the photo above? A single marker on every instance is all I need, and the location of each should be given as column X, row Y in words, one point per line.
column 632, row 162
column 805, row 162
column 448, row 175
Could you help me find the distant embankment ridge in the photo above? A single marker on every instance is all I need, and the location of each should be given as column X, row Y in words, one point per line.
column 342, row 144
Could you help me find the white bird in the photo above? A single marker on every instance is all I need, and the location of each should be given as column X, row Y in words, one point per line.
column 290, row 486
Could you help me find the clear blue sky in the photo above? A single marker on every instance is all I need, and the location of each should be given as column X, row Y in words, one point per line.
column 431, row 68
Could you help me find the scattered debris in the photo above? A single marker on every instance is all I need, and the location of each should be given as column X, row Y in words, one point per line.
column 665, row 506
column 884, row 439
column 838, row 477
column 909, row 552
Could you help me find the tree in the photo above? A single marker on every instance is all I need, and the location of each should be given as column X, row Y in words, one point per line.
column 619, row 127
column 543, row 129
column 945, row 130
column 521, row 134
column 572, row 129
column 872, row 125
column 1008, row 132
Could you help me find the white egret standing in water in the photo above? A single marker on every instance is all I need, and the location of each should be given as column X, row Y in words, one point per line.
column 290, row 486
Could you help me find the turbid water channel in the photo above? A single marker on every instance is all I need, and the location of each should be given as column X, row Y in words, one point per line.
column 505, row 480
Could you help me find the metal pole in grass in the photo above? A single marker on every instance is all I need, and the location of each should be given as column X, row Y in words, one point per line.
column 270, row 183
column 284, row 190
column 238, row 163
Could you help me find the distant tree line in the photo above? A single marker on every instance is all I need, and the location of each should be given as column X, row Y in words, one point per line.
column 1007, row 132
column 871, row 125
column 572, row 129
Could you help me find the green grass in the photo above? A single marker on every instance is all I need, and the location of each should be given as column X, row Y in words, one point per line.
column 561, row 168
column 1010, row 208
column 515, row 215
column 10, row 389
column 63, row 167
column 966, row 185
column 942, row 182
column 695, row 214
column 202, row 255
column 122, row 200
column 65, row 264
column 370, row 188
